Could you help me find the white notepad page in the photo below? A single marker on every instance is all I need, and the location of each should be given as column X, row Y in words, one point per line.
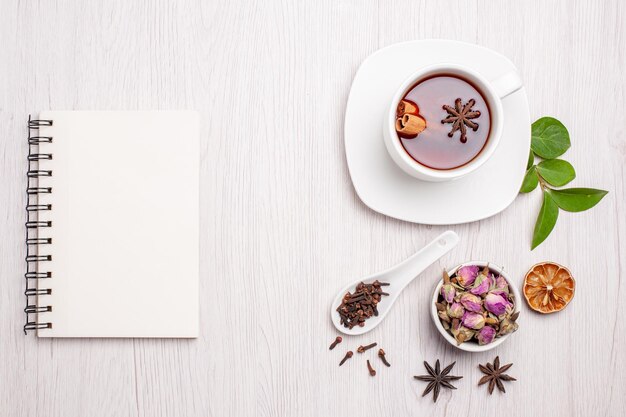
column 125, row 212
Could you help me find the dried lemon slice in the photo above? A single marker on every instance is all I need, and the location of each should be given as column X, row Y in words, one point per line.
column 548, row 287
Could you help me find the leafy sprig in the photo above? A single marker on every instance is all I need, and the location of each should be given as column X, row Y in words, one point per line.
column 550, row 139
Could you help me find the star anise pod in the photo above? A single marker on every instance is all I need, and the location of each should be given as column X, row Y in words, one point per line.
column 460, row 116
column 437, row 378
column 494, row 374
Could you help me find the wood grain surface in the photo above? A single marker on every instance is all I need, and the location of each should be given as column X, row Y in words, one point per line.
column 282, row 229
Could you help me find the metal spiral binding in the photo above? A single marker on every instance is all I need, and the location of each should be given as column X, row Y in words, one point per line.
column 34, row 225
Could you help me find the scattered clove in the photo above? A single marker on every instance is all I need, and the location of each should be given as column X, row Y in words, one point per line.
column 335, row 343
column 362, row 348
column 345, row 358
column 381, row 355
column 357, row 307
column 369, row 368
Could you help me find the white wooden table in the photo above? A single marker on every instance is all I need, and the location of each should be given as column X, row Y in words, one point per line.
column 282, row 228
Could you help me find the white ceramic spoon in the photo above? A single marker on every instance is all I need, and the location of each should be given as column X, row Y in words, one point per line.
column 398, row 278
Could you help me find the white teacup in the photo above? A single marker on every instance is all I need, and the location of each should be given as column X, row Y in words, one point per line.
column 493, row 91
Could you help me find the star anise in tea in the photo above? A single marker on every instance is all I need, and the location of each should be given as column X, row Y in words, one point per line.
column 437, row 378
column 494, row 374
column 461, row 116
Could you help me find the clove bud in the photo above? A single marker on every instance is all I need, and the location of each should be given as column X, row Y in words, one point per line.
column 345, row 358
column 362, row 348
column 381, row 355
column 335, row 343
column 369, row 368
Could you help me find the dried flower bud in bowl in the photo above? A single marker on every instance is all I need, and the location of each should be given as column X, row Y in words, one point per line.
column 475, row 306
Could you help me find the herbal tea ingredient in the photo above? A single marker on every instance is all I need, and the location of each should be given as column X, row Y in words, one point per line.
column 494, row 374
column 476, row 305
column 362, row 348
column 406, row 107
column 357, row 307
column 460, row 116
column 337, row 340
column 381, row 355
column 409, row 123
column 345, row 358
column 550, row 139
column 548, row 287
column 437, row 379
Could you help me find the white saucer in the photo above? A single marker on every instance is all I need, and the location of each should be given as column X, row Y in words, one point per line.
column 384, row 187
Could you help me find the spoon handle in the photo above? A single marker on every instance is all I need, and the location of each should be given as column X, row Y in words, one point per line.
column 408, row 270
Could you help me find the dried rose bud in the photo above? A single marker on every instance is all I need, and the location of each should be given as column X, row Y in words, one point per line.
column 456, row 310
column 461, row 334
column 471, row 302
column 501, row 293
column 466, row 275
column 510, row 306
column 507, row 326
column 456, row 323
column 443, row 316
column 446, row 277
column 481, row 285
column 501, row 284
column 473, row 320
column 448, row 292
column 476, row 305
column 496, row 304
column 486, row 335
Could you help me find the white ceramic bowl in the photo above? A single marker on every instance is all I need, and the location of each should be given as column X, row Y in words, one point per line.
column 471, row 346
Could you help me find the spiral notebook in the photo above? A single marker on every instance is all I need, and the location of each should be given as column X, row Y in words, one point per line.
column 112, row 228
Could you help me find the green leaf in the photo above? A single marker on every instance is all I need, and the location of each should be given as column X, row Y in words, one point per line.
column 577, row 199
column 550, row 138
column 545, row 221
column 531, row 159
column 530, row 180
column 556, row 172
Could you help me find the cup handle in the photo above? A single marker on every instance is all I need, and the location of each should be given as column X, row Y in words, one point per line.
column 507, row 84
